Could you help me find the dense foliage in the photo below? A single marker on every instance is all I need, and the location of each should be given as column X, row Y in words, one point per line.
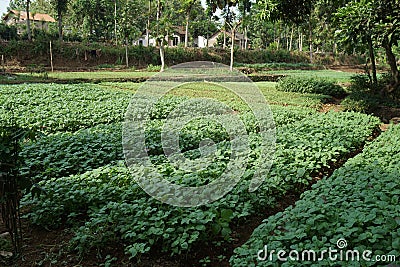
column 118, row 210
column 359, row 202
column 309, row 85
column 52, row 108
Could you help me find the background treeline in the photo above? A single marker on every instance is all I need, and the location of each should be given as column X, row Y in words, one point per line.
column 363, row 27
column 93, row 54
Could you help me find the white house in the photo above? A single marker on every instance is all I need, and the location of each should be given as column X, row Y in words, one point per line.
column 18, row 18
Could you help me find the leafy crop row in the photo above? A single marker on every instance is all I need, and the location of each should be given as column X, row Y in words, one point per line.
column 62, row 154
column 52, row 108
column 359, row 202
column 309, row 85
column 116, row 209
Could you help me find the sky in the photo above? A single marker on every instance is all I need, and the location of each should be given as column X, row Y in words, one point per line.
column 3, row 6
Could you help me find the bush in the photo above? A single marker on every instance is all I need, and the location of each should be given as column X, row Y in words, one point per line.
column 365, row 96
column 309, row 85
column 151, row 67
column 363, row 83
column 359, row 102
column 8, row 32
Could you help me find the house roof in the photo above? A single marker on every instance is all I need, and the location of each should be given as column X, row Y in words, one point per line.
column 179, row 30
column 238, row 36
column 32, row 16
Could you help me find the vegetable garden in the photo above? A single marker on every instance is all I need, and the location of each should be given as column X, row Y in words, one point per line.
column 81, row 183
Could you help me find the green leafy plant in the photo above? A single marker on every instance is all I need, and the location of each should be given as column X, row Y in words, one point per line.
column 115, row 209
column 309, row 85
column 359, row 202
column 153, row 68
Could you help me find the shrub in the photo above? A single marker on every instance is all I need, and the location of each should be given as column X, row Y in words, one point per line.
column 309, row 85
column 151, row 67
column 359, row 102
column 365, row 96
column 8, row 32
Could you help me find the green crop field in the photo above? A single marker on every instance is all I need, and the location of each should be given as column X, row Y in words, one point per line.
column 77, row 163
column 333, row 75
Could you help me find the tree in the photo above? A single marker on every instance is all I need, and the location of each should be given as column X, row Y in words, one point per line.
column 374, row 20
column 293, row 11
column 354, row 30
column 17, row 4
column 28, row 21
column 186, row 8
column 61, row 7
column 162, row 28
column 232, row 20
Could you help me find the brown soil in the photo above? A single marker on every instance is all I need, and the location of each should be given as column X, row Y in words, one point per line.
column 348, row 68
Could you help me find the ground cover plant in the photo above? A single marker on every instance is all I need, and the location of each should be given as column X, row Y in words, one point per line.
column 52, row 108
column 85, row 185
column 359, row 203
column 310, row 85
column 331, row 75
column 117, row 210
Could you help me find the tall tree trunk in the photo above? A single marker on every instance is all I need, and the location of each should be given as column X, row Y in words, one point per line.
column 245, row 38
column 126, row 53
column 60, row 31
column 278, row 38
column 287, row 38
column 334, row 47
column 148, row 25
column 300, row 40
column 162, row 53
column 187, row 29
column 310, row 40
column 232, row 47
column 115, row 22
column 224, row 44
column 372, row 57
column 391, row 59
column 28, row 20
column 291, row 39
column 208, row 30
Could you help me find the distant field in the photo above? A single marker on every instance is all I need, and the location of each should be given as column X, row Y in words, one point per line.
column 272, row 95
column 100, row 74
column 339, row 76
column 88, row 76
column 85, row 76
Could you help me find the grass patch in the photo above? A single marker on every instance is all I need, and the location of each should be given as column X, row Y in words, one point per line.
column 332, row 75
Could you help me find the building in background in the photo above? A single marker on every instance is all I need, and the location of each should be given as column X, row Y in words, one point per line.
column 18, row 18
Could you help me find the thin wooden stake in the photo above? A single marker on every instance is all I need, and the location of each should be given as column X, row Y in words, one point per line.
column 51, row 58
column 126, row 55
column 2, row 64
